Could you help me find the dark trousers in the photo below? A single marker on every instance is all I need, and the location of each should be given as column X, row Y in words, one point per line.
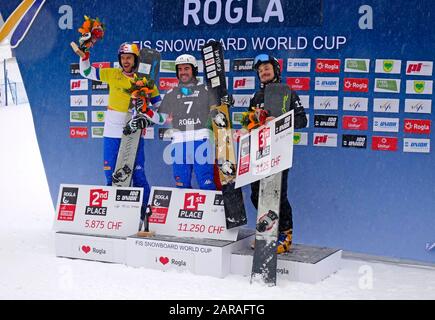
column 285, row 210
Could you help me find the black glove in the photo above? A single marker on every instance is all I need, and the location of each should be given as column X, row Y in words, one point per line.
column 228, row 100
column 139, row 121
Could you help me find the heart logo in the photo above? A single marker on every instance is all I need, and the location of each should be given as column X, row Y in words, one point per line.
column 388, row 65
column 86, row 249
column 296, row 139
column 164, row 260
column 419, row 86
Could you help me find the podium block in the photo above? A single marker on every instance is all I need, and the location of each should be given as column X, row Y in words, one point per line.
column 303, row 263
column 90, row 247
column 199, row 256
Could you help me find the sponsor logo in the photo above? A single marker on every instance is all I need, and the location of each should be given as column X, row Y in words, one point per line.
column 283, row 124
column 79, row 85
column 419, row 87
column 325, row 121
column 419, row 68
column 241, row 100
column 236, row 118
column 99, row 86
column 127, row 195
column 298, row 65
column 78, row 132
column 168, row 66
column 218, row 200
column 79, row 101
column 388, row 66
column 327, row 84
column 243, row 83
column 101, row 65
column 96, row 198
column 148, row 133
column 160, row 206
column 74, row 68
column 325, row 139
column 416, row 145
column 191, row 204
column 78, row 116
column 167, row 83
column 387, row 85
column 356, row 65
column 263, row 143
column 243, row 64
column 386, row 105
column 355, row 123
column 354, row 141
column 355, row 104
column 98, row 116
column 417, row 126
column 418, row 106
column 166, row 134
column 68, row 202
column 328, row 65
column 325, row 103
column 100, row 100
column 300, row 139
column 384, row 143
column 298, row 84
column 244, row 158
column 386, row 124
column 97, row 132
column 356, row 85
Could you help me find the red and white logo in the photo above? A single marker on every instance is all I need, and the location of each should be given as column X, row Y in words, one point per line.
column 97, row 196
column 86, row 249
column 299, row 84
column 384, row 143
column 325, row 139
column 356, row 85
column 80, row 84
column 355, row 123
column 419, row 68
column 167, row 83
column 417, row 126
column 78, row 132
column 328, row 65
column 244, row 83
column 192, row 200
column 101, row 65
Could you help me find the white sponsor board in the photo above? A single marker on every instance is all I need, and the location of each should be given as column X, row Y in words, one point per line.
column 242, row 100
column 78, row 116
column 98, row 210
column 305, row 101
column 244, row 83
column 386, row 105
column 355, row 104
column 325, row 103
column 300, row 139
column 321, row 139
column 100, row 100
column 419, row 68
column 189, row 213
column 79, row 101
column 144, row 68
column 266, row 150
column 148, row 133
column 97, row 132
column 327, row 83
column 416, row 145
column 387, row 85
column 389, row 66
column 298, row 65
column 418, row 106
column 419, row 86
column 79, row 84
column 357, row 65
column 386, row 124
column 98, row 116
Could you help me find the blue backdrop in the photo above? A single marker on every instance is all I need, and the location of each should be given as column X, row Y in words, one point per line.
column 363, row 200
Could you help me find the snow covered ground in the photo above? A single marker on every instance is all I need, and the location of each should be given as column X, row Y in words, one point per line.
column 30, row 270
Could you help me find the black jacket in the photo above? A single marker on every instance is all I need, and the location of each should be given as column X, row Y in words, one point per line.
column 295, row 104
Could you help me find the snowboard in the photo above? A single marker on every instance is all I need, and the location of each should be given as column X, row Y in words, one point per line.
column 214, row 69
column 148, row 67
column 277, row 102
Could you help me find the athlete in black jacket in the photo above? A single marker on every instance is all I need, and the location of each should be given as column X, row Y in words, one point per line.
column 268, row 71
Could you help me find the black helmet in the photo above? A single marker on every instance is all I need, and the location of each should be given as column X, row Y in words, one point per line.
column 265, row 58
